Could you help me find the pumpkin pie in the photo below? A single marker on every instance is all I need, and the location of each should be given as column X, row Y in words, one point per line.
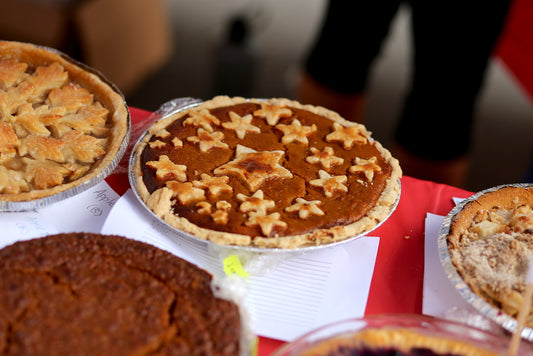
column 265, row 173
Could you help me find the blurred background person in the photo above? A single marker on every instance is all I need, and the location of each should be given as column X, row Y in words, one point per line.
column 452, row 41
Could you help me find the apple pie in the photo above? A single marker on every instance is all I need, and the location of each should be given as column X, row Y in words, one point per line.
column 61, row 124
column 265, row 173
column 490, row 243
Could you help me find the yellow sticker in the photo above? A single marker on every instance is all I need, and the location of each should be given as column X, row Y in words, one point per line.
column 232, row 265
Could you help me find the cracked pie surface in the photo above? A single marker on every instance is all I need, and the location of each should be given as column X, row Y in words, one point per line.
column 60, row 124
column 265, row 173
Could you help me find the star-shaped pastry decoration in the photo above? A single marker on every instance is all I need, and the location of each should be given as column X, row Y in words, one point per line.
column 176, row 142
column 254, row 167
column 272, row 113
column 208, row 140
column 163, row 133
column 325, row 158
column 214, row 185
column 367, row 166
column 166, row 169
column 255, row 203
column 295, row 132
column 220, row 215
column 267, row 223
column 204, row 207
column 185, row 192
column 330, row 184
column 305, row 208
column 349, row 136
column 241, row 124
column 156, row 144
column 202, row 118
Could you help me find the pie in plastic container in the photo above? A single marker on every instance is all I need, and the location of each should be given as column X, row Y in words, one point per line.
column 268, row 174
column 398, row 334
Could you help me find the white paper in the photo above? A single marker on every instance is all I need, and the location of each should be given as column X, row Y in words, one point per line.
column 21, row 226
column 439, row 295
column 85, row 212
column 292, row 295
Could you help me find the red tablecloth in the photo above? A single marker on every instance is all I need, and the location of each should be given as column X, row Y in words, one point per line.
column 398, row 275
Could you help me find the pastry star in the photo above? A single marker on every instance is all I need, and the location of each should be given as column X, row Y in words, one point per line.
column 255, row 203
column 347, row 135
column 202, row 118
column 165, row 168
column 185, row 192
column 267, row 223
column 254, row 167
column 367, row 166
column 330, row 184
column 272, row 113
column 305, row 208
column 214, row 185
column 241, row 125
column 295, row 132
column 326, row 158
column 208, row 140
column 220, row 216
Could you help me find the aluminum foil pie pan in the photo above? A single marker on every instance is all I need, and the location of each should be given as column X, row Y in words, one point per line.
column 181, row 104
column 85, row 184
column 481, row 305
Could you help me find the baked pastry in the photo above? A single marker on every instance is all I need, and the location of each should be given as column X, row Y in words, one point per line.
column 265, row 173
column 60, row 123
column 490, row 243
column 89, row 294
column 398, row 342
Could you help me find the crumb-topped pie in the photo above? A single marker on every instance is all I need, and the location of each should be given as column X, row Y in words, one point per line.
column 92, row 294
column 265, row 173
column 490, row 243
column 61, row 124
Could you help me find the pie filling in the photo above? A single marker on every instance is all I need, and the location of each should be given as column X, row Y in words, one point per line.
column 260, row 169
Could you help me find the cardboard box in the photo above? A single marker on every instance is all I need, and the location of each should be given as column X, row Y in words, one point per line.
column 127, row 40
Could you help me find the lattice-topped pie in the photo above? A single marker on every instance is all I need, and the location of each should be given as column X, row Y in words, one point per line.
column 265, row 173
column 490, row 244
column 60, row 124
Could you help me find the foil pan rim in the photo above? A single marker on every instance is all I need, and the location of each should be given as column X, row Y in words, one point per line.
column 482, row 306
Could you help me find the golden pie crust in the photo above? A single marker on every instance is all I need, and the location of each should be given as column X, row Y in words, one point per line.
column 265, row 173
column 394, row 341
column 61, row 124
column 490, row 243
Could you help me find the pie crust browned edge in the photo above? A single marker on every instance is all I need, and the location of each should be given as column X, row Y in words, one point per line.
column 376, row 215
column 506, row 198
column 403, row 340
column 92, row 80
